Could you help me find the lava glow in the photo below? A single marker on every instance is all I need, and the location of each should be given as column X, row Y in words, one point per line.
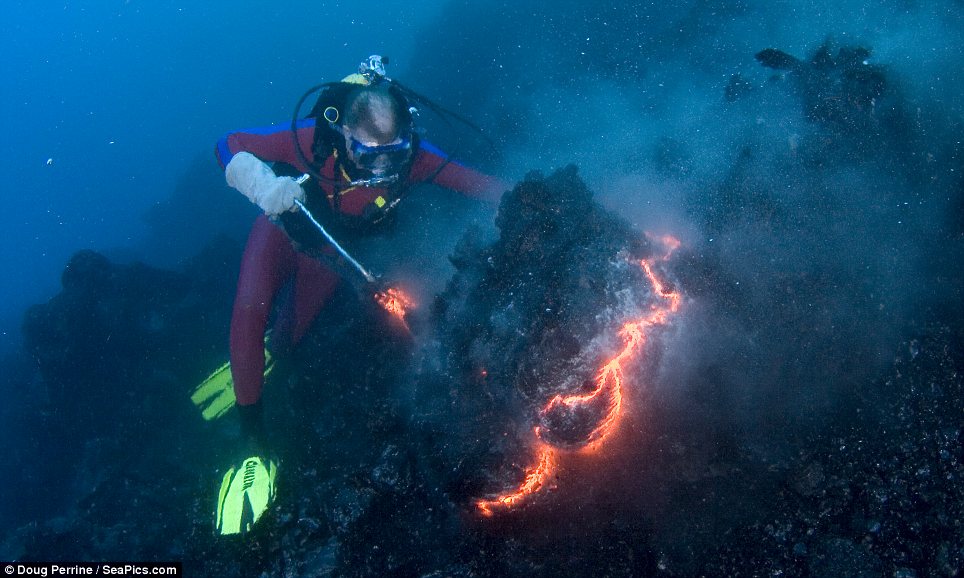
column 535, row 479
column 396, row 302
column 605, row 400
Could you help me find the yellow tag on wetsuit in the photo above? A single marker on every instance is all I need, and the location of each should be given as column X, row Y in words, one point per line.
column 379, row 201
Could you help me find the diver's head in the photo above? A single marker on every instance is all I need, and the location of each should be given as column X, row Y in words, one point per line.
column 377, row 130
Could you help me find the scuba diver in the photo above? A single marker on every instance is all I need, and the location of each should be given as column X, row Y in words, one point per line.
column 336, row 173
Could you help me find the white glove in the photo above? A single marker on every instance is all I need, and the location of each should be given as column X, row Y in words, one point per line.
column 257, row 181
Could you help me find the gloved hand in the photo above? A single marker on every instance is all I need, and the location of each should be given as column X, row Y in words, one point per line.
column 255, row 179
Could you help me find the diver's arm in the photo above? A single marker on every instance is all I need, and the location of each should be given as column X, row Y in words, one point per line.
column 271, row 144
column 245, row 155
column 258, row 182
column 454, row 175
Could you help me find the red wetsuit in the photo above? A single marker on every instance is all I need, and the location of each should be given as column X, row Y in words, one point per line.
column 271, row 259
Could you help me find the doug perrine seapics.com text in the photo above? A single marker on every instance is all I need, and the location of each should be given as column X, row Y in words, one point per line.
column 119, row 570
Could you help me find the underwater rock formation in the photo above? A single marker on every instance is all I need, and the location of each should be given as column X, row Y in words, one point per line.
column 533, row 316
column 386, row 443
column 113, row 354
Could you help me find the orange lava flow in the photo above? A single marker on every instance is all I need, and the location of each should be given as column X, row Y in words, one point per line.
column 534, row 481
column 608, row 390
column 396, row 302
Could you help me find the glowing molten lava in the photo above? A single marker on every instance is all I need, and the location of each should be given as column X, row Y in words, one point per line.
column 396, row 302
column 604, row 402
column 535, row 479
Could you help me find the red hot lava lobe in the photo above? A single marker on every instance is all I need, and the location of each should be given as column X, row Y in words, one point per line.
column 570, row 423
column 396, row 302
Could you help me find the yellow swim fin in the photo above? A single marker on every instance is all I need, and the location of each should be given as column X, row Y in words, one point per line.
column 215, row 395
column 246, row 492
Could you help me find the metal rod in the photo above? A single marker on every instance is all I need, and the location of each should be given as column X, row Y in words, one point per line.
column 368, row 276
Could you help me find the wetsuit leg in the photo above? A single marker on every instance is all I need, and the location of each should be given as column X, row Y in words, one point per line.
column 315, row 283
column 269, row 260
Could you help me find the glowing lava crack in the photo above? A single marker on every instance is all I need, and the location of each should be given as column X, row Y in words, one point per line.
column 605, row 400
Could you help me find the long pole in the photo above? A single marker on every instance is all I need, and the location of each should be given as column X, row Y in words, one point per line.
column 341, row 250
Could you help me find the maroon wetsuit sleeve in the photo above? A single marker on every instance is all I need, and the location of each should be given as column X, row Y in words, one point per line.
column 270, row 144
column 454, row 175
